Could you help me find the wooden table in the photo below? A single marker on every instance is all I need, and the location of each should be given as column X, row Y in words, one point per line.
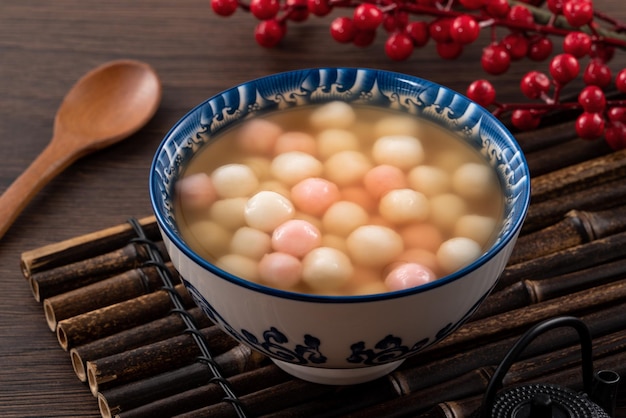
column 45, row 46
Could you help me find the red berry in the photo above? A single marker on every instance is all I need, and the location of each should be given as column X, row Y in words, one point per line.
column 319, row 8
column 615, row 135
column 439, row 30
column 363, row 38
column 367, row 17
column 556, row 6
column 495, row 59
column 269, row 33
column 298, row 11
column 578, row 12
column 602, row 52
column 342, row 30
column 524, row 119
column 395, row 21
column 482, row 92
column 597, row 74
column 564, row 68
column 264, row 9
column 592, row 99
column 449, row 50
column 427, row 2
column 617, row 114
column 589, row 125
column 620, row 80
column 516, row 44
column 473, row 4
column 224, row 7
column 577, row 43
column 535, row 84
column 464, row 29
column 418, row 31
column 521, row 14
column 498, row 8
column 399, row 46
column 540, row 49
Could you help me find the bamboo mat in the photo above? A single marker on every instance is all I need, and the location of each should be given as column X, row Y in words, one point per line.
column 136, row 339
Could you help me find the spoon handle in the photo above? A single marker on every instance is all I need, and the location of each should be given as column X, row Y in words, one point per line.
column 52, row 160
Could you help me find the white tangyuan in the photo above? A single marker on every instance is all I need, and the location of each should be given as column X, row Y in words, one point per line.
column 477, row 227
column 332, row 141
column 401, row 151
column 210, row 238
column 343, row 217
column 429, row 180
column 347, row 167
column 266, row 210
column 401, row 206
column 326, row 269
column 446, row 209
column 234, row 180
column 397, row 125
column 474, row 180
column 335, row 114
column 292, row 167
column 374, row 245
column 251, row 243
column 229, row 212
column 456, row 253
column 240, row 266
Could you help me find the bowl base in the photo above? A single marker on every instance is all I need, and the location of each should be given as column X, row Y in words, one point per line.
column 337, row 376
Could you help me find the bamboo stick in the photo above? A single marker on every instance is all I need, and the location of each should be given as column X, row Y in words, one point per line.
column 83, row 247
column 150, row 359
column 491, row 328
column 292, row 392
column 153, row 331
column 572, row 152
column 180, row 389
column 170, row 403
column 565, row 261
column 547, row 136
column 48, row 283
column 125, row 286
column 90, row 326
column 461, row 408
column 603, row 196
column 528, row 292
column 579, row 176
column 577, row 227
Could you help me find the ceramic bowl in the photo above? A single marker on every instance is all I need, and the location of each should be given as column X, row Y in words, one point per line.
column 340, row 339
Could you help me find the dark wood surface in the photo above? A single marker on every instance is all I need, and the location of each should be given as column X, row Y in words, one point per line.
column 45, row 46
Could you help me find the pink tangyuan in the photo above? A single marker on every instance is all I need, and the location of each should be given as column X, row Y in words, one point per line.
column 280, row 270
column 296, row 237
column 196, row 191
column 314, row 195
column 408, row 275
column 383, row 178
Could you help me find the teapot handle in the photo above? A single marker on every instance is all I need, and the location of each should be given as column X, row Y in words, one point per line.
column 586, row 353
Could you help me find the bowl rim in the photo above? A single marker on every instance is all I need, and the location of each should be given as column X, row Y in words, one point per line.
column 487, row 255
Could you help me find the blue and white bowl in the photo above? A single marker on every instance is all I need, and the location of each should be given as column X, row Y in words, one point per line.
column 336, row 339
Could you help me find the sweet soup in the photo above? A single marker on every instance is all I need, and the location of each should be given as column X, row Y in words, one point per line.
column 337, row 199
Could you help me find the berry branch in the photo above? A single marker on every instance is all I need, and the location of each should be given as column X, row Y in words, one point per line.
column 518, row 29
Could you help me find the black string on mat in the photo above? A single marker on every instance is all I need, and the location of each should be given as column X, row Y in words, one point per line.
column 156, row 260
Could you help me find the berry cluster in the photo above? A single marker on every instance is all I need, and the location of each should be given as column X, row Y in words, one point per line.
column 589, row 39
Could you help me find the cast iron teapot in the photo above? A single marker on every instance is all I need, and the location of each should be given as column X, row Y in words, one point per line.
column 548, row 400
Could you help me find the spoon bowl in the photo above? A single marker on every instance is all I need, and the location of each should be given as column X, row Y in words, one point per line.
column 108, row 104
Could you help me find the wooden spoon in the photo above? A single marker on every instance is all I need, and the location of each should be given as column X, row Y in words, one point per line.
column 108, row 104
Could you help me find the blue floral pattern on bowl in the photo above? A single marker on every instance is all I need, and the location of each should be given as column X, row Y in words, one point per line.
column 309, row 352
